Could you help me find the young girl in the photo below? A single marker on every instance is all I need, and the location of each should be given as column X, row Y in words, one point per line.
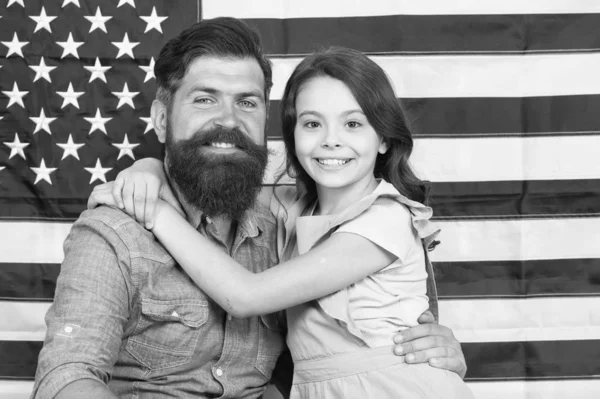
column 353, row 273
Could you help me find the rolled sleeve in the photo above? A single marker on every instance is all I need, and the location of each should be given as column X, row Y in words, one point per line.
column 90, row 309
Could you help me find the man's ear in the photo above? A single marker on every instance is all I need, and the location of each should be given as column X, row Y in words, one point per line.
column 158, row 113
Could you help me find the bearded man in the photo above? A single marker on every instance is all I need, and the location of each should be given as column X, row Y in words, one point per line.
column 126, row 320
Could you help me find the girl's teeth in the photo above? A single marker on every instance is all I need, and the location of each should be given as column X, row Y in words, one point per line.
column 333, row 162
column 222, row 145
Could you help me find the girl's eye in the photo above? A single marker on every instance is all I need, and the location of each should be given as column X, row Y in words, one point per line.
column 311, row 125
column 353, row 124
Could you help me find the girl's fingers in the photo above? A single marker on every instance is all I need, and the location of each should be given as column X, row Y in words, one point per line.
column 117, row 191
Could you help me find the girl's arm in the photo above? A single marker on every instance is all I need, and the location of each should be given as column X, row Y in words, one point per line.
column 336, row 263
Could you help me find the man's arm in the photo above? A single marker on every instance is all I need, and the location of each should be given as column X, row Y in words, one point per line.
column 85, row 322
column 86, row 388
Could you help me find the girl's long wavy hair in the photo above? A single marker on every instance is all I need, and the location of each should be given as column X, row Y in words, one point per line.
column 374, row 93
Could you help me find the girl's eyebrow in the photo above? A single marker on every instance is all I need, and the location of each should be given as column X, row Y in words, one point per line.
column 344, row 114
column 352, row 111
column 305, row 113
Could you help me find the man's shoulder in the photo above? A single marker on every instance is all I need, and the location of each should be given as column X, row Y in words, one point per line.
column 110, row 216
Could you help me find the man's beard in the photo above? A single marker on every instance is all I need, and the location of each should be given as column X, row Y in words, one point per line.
column 217, row 184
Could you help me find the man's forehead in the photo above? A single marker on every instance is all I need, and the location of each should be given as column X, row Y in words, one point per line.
column 225, row 74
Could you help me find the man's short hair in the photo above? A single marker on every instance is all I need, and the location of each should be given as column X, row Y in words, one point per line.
column 222, row 37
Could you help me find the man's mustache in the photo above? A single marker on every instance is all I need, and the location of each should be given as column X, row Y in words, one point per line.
column 222, row 135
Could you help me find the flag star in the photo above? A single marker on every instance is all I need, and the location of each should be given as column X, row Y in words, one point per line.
column 125, row 47
column 42, row 21
column 149, row 124
column 98, row 21
column 16, row 96
column 153, row 21
column 10, row 2
column 70, row 47
column 125, row 148
column 70, row 148
column 42, row 122
column 66, row 2
column 14, row 47
column 125, row 96
column 97, row 122
column 42, row 71
column 149, row 70
column 70, row 96
column 97, row 70
column 16, row 147
column 130, row 2
column 98, row 172
column 42, row 172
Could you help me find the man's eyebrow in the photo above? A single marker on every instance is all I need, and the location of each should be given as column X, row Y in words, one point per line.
column 206, row 89
column 251, row 93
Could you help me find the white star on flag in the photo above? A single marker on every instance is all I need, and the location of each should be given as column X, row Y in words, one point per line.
column 125, row 47
column 149, row 70
column 125, row 148
column 98, row 21
column 11, row 2
column 98, row 172
column 70, row 148
column 66, row 2
column 42, row 122
column 149, row 124
column 98, row 71
column 153, row 21
column 15, row 46
column 98, row 122
column 125, row 96
column 70, row 47
column 42, row 21
column 42, row 71
column 130, row 2
column 16, row 147
column 70, row 96
column 16, row 96
column 42, row 172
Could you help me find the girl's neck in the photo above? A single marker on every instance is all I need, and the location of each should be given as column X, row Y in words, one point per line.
column 334, row 200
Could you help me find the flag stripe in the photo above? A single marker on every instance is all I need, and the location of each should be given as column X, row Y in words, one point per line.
column 344, row 8
column 522, row 319
column 28, row 281
column 35, row 281
column 542, row 389
column 504, row 116
column 432, row 34
column 464, row 240
column 478, row 159
column 549, row 277
column 488, row 361
column 436, row 76
column 533, row 360
column 15, row 389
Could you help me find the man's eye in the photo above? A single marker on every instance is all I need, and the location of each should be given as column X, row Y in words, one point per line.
column 203, row 100
column 247, row 104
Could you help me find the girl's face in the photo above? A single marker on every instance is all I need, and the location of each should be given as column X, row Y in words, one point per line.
column 335, row 143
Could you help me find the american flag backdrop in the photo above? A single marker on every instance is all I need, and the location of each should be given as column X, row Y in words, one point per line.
column 503, row 98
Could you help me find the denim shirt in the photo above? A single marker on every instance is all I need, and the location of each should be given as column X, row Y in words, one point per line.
column 127, row 315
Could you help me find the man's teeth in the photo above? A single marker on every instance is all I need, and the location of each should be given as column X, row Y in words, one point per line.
column 332, row 162
column 222, row 145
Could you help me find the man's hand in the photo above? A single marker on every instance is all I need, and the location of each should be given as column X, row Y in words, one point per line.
column 432, row 343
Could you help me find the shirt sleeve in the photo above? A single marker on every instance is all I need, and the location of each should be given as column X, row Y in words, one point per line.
column 386, row 223
column 91, row 306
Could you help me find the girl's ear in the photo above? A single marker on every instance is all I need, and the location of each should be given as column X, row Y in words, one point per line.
column 158, row 114
column 383, row 146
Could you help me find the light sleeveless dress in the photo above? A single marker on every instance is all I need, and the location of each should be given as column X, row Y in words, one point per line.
column 341, row 343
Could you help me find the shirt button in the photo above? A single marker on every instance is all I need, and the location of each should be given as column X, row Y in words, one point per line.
column 68, row 329
column 219, row 372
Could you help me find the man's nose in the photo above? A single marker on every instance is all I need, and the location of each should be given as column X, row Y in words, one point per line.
column 228, row 117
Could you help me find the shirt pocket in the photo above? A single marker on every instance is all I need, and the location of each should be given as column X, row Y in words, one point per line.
column 167, row 332
column 270, row 343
